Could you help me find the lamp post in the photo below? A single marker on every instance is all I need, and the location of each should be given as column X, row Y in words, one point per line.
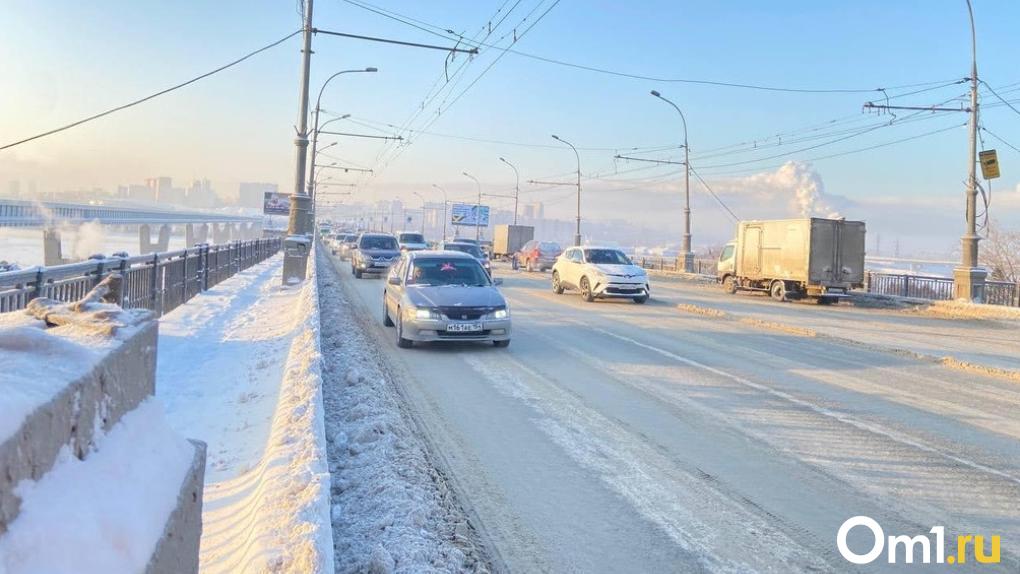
column 422, row 198
column 444, row 208
column 686, row 247
column 577, row 233
column 968, row 278
column 295, row 258
column 478, row 207
column 517, row 186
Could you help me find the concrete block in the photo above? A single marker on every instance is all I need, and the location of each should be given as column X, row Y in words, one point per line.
column 116, row 385
column 177, row 551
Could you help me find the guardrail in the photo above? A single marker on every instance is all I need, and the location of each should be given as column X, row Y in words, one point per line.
column 937, row 288
column 160, row 282
column 675, row 264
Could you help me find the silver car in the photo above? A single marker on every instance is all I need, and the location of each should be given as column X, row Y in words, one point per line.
column 444, row 296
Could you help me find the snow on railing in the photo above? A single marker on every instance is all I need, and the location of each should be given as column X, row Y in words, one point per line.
column 159, row 282
column 937, row 288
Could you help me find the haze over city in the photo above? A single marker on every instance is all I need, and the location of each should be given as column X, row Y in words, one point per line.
column 237, row 126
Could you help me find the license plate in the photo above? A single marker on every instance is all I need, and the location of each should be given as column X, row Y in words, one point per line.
column 463, row 327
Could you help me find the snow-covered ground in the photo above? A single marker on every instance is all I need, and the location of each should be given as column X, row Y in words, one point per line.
column 239, row 368
column 392, row 510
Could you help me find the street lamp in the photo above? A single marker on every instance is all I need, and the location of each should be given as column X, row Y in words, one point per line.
column 577, row 234
column 315, row 151
column 686, row 248
column 968, row 278
column 478, row 207
column 444, row 208
column 318, row 108
column 422, row 198
column 517, row 186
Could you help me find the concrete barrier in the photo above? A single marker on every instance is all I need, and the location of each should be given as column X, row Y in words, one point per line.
column 110, row 369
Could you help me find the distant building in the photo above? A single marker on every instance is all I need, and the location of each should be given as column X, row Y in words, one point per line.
column 201, row 194
column 141, row 193
column 251, row 194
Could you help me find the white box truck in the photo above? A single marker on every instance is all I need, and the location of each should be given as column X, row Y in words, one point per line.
column 795, row 258
column 508, row 239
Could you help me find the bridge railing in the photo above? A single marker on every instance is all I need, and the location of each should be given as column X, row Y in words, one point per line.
column 675, row 264
column 160, row 282
column 937, row 288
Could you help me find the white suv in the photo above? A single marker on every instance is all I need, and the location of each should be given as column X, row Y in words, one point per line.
column 600, row 272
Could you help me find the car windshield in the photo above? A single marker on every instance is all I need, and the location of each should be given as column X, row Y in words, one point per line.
column 378, row 242
column 606, row 257
column 447, row 271
column 412, row 238
column 468, row 248
column 549, row 247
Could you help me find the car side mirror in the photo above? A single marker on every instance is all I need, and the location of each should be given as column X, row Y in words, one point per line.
column 394, row 280
column 497, row 281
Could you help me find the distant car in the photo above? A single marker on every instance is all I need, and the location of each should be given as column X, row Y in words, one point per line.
column 471, row 249
column 374, row 253
column 411, row 241
column 538, row 255
column 347, row 245
column 444, row 296
column 600, row 272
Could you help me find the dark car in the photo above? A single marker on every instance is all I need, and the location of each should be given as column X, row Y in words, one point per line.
column 374, row 253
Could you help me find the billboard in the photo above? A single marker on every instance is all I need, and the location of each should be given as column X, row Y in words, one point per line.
column 274, row 203
column 469, row 214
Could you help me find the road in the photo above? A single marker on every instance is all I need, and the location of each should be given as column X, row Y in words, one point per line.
column 613, row 437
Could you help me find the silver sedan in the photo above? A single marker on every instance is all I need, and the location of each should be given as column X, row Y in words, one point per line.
column 444, row 296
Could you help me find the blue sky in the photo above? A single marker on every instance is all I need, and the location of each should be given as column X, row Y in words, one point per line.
column 63, row 62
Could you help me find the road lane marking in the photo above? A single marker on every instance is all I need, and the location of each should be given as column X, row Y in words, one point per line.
column 891, row 435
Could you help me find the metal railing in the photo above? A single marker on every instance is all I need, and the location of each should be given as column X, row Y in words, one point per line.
column 936, row 288
column 160, row 282
column 675, row 264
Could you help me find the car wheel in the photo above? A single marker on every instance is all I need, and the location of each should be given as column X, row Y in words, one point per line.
column 357, row 272
column 504, row 344
column 386, row 321
column 401, row 341
column 778, row 290
column 586, row 290
column 729, row 284
column 530, row 266
column 641, row 300
column 557, row 286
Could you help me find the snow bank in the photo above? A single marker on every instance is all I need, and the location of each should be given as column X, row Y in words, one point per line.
column 105, row 513
column 30, row 350
column 239, row 367
column 392, row 510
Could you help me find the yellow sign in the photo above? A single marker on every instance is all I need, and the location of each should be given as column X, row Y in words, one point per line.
column 989, row 164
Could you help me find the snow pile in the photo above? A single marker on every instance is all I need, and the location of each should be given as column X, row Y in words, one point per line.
column 105, row 513
column 239, row 367
column 68, row 353
column 392, row 510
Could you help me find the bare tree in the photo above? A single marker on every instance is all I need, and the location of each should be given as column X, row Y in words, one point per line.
column 1001, row 253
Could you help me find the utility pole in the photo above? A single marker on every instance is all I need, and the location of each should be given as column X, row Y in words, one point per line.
column 296, row 250
column 478, row 207
column 517, row 186
column 968, row 278
column 577, row 232
column 686, row 247
column 444, row 208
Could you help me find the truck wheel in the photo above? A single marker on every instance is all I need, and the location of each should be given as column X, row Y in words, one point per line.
column 778, row 290
column 827, row 300
column 557, row 286
column 586, row 290
column 729, row 284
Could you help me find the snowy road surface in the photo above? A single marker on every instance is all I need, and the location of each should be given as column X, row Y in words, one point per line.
column 612, row 437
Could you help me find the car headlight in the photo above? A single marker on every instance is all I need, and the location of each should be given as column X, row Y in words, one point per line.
column 424, row 313
column 500, row 314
